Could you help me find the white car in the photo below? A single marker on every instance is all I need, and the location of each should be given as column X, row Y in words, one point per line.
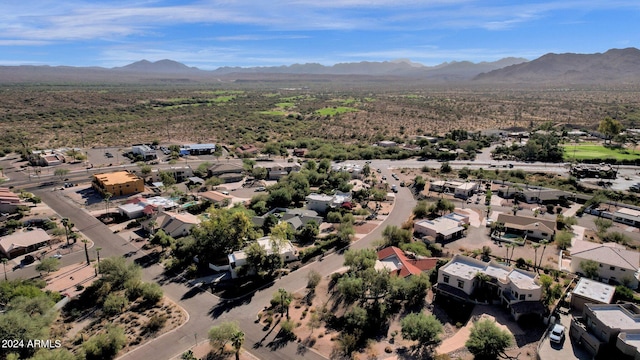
column 557, row 334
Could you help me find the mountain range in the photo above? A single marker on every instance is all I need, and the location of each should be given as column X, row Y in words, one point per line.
column 615, row 66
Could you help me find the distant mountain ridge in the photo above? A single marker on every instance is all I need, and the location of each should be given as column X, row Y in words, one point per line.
column 615, row 66
column 460, row 70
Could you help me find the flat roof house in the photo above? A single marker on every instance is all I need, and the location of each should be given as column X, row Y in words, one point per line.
column 144, row 151
column 276, row 171
column 517, row 289
column 239, row 258
column 199, row 149
column 118, row 183
column 440, row 229
column 322, row 202
column 589, row 291
column 23, row 242
column 138, row 207
column 605, row 327
column 616, row 264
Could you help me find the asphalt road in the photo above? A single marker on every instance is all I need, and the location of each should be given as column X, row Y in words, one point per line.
column 206, row 310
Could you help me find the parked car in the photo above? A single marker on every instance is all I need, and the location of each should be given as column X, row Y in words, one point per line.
column 557, row 334
column 260, row 189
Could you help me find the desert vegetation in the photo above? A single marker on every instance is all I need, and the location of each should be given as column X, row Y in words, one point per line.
column 73, row 116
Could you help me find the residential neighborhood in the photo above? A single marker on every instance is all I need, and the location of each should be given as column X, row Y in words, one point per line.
column 234, row 227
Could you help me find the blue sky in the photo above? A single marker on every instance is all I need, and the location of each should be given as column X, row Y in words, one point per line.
column 212, row 33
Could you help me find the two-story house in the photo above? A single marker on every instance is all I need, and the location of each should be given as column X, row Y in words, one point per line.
column 616, row 264
column 604, row 328
column 517, row 289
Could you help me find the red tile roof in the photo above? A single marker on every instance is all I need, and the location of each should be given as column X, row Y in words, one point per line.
column 409, row 266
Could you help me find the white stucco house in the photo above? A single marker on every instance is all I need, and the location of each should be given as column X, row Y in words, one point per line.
column 239, row 258
column 519, row 290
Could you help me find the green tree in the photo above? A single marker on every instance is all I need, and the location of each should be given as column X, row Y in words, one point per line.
column 590, row 268
column 360, row 260
column 487, row 341
column 163, row 239
column 117, row 271
column 61, row 173
column 425, row 329
column 421, row 210
column 221, row 334
column 417, row 247
column 48, row 265
column 394, row 236
column 445, row 168
column 308, row 233
column 562, row 239
column 602, row 225
column 610, row 128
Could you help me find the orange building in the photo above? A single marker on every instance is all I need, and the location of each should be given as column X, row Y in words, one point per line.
column 118, row 183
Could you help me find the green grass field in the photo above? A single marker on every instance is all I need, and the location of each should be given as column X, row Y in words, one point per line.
column 580, row 152
column 332, row 111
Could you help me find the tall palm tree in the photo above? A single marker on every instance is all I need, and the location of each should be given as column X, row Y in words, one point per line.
column 107, row 200
column 544, row 244
column 68, row 226
column 535, row 247
column 237, row 340
column 86, row 251
column 4, row 265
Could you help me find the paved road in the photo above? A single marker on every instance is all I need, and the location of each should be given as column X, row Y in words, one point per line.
column 206, row 310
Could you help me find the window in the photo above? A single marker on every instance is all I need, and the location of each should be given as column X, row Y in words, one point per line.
column 621, row 269
column 445, row 278
column 522, row 297
column 612, row 267
column 600, row 265
column 544, row 234
column 529, row 295
column 461, row 284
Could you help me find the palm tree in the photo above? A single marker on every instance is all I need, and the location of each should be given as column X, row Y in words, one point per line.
column 107, row 200
column 535, row 247
column 68, row 226
column 98, row 253
column 237, row 340
column 4, row 265
column 544, row 244
column 86, row 251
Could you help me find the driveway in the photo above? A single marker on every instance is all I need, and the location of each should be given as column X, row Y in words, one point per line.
column 567, row 350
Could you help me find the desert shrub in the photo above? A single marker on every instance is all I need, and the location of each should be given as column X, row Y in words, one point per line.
column 105, row 345
column 156, row 322
column 313, row 279
column 151, row 293
column 133, row 290
column 114, row 304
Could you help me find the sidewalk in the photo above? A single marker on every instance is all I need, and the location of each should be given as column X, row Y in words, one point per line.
column 68, row 278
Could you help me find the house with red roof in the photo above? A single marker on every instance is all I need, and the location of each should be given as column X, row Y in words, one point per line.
column 401, row 264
